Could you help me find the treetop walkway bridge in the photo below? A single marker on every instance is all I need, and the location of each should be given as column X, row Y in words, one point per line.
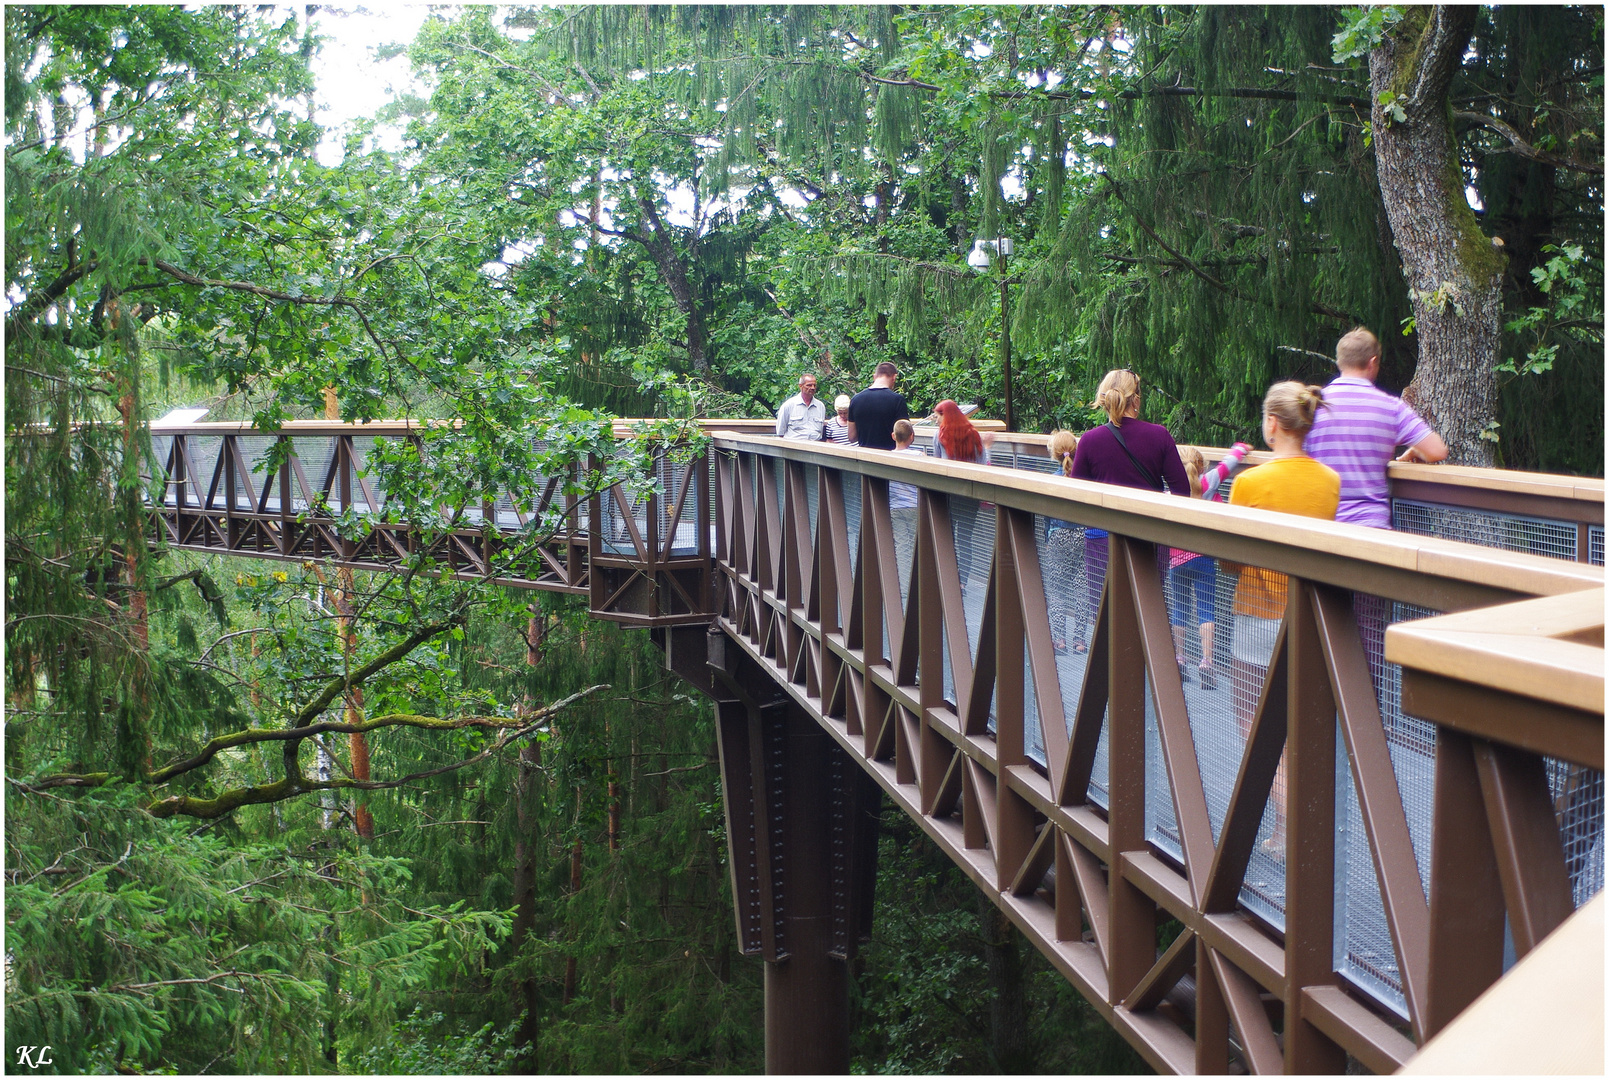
column 1313, row 844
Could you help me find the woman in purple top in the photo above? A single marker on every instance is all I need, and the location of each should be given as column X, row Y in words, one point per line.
column 1127, row 451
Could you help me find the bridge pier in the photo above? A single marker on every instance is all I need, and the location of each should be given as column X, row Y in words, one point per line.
column 801, row 823
column 807, row 989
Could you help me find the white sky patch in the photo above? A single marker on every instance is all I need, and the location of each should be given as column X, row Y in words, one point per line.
column 1474, row 198
column 352, row 84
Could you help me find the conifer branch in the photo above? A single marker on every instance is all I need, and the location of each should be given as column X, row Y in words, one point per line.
column 1254, row 93
column 1314, row 306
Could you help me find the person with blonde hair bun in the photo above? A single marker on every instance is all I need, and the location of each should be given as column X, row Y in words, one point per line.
column 1126, row 451
column 1292, row 483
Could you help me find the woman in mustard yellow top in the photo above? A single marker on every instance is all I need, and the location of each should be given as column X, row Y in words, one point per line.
column 1294, row 484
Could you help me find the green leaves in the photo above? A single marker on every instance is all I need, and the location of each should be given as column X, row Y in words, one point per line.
column 1362, row 28
column 1570, row 311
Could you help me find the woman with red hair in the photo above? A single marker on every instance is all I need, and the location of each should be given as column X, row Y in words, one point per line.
column 958, row 440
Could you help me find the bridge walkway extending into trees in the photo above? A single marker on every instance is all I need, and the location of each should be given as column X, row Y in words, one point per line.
column 1290, row 866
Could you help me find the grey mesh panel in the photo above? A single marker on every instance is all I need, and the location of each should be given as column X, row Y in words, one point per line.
column 203, row 451
column 1578, row 801
column 1537, row 536
column 161, row 448
column 685, row 539
column 1595, row 545
column 362, row 448
column 852, row 519
column 813, row 499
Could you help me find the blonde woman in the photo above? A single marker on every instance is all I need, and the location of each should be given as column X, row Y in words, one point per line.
column 1128, row 451
column 1064, row 552
column 1292, row 483
column 837, row 427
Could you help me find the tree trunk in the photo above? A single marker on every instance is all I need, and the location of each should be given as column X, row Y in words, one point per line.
column 1008, row 1014
column 357, row 742
column 526, row 846
column 1454, row 272
column 673, row 268
column 575, row 887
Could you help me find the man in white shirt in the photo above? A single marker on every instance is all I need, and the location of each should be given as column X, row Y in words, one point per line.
column 802, row 415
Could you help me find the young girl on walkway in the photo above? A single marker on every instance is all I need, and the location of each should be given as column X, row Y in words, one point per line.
column 1065, row 556
column 1195, row 584
column 1295, row 484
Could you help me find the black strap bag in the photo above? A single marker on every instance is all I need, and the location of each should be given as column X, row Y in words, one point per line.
column 1145, row 474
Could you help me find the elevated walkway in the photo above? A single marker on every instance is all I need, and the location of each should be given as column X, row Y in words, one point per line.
column 1347, row 824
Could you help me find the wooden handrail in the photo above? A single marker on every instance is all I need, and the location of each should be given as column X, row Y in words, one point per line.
column 1440, row 574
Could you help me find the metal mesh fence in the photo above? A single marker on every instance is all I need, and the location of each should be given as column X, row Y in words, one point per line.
column 1537, row 536
column 160, row 468
column 681, row 533
column 1595, row 545
column 1223, row 658
column 203, row 461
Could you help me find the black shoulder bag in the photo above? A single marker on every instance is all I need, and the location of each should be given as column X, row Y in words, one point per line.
column 1145, row 473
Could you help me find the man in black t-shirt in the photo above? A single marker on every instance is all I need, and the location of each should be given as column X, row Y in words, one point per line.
column 872, row 412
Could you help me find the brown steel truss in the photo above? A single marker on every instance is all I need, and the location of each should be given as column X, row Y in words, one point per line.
column 631, row 572
column 1082, row 883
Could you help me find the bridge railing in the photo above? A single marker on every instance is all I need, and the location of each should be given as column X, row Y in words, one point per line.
column 999, row 652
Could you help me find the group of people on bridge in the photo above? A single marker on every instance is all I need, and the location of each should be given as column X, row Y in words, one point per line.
column 1331, row 446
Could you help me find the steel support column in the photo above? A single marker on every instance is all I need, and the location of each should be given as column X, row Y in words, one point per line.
column 807, row 994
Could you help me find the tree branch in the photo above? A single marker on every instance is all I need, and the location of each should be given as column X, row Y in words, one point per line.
column 40, row 299
column 1524, row 149
column 1255, row 93
column 294, row 783
column 1320, row 309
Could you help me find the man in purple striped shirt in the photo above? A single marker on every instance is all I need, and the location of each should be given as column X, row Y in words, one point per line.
column 1359, row 432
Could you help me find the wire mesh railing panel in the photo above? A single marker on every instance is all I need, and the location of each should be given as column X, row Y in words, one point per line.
column 255, row 451
column 1363, row 950
column 779, row 474
column 1363, row 940
column 203, row 451
column 1035, row 463
column 616, row 528
column 813, row 499
column 583, row 512
column 1534, row 535
column 1578, row 802
column 158, row 467
column 363, row 479
column 1595, row 545
column 973, row 525
column 852, row 522
column 680, row 536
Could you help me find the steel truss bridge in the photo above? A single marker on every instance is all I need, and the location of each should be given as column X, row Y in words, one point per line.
column 1357, row 823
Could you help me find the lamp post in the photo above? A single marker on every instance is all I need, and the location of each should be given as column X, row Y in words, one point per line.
column 997, row 250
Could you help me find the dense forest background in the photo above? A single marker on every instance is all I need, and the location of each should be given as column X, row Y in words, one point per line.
column 282, row 818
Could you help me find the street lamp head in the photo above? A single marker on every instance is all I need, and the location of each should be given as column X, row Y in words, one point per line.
column 984, row 251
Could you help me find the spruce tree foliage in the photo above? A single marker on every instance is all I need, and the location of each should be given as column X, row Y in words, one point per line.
column 923, row 993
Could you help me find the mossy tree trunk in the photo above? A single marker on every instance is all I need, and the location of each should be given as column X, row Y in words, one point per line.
column 1454, row 272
